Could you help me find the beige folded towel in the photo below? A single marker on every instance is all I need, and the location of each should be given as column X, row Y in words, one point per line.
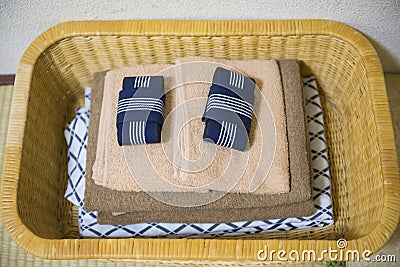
column 104, row 199
column 109, row 168
column 112, row 171
column 261, row 153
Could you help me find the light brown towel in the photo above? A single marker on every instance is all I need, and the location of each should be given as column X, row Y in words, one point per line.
column 298, row 209
column 110, row 170
column 104, row 199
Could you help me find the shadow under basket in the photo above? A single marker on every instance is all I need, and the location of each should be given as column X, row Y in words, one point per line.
column 60, row 63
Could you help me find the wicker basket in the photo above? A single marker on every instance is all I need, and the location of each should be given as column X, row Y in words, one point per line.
column 61, row 61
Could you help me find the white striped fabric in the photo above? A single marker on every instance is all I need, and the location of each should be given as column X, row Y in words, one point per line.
column 142, row 81
column 227, row 134
column 220, row 101
column 137, row 132
column 151, row 104
column 236, row 80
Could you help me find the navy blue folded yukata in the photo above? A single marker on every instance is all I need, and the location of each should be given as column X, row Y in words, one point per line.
column 229, row 109
column 140, row 113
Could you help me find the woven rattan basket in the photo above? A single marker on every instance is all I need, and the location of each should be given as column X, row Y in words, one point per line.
column 61, row 61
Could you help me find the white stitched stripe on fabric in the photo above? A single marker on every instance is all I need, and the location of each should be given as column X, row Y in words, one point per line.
column 140, row 104
column 130, row 133
column 230, row 99
column 142, row 81
column 220, row 134
column 227, row 134
column 144, row 132
column 141, row 100
column 223, row 126
column 134, row 131
column 224, row 136
column 148, row 81
column 227, row 137
column 140, row 132
column 234, row 136
column 218, row 101
column 226, row 107
column 236, row 79
column 230, row 135
column 142, row 108
column 229, row 104
column 137, row 130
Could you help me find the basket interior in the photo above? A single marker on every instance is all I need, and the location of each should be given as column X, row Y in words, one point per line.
column 66, row 67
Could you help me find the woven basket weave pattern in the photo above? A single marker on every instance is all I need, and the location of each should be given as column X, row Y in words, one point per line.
column 56, row 68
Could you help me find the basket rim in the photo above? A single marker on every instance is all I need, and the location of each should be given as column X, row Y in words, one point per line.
column 141, row 248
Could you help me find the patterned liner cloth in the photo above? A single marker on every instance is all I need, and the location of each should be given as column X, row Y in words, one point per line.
column 76, row 135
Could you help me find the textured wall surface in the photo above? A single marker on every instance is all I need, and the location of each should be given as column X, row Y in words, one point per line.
column 23, row 20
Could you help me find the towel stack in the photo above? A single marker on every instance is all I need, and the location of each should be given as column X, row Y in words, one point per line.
column 178, row 185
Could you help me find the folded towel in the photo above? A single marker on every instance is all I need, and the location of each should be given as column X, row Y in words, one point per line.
column 104, row 163
column 266, row 159
column 140, row 113
column 299, row 196
column 112, row 172
column 301, row 189
column 89, row 226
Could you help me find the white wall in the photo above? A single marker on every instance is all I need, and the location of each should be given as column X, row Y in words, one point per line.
column 23, row 20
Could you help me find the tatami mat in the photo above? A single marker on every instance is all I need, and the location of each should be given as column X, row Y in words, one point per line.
column 5, row 103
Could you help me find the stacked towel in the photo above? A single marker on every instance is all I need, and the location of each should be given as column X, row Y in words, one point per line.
column 300, row 195
column 146, row 150
column 114, row 173
column 301, row 191
column 76, row 136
